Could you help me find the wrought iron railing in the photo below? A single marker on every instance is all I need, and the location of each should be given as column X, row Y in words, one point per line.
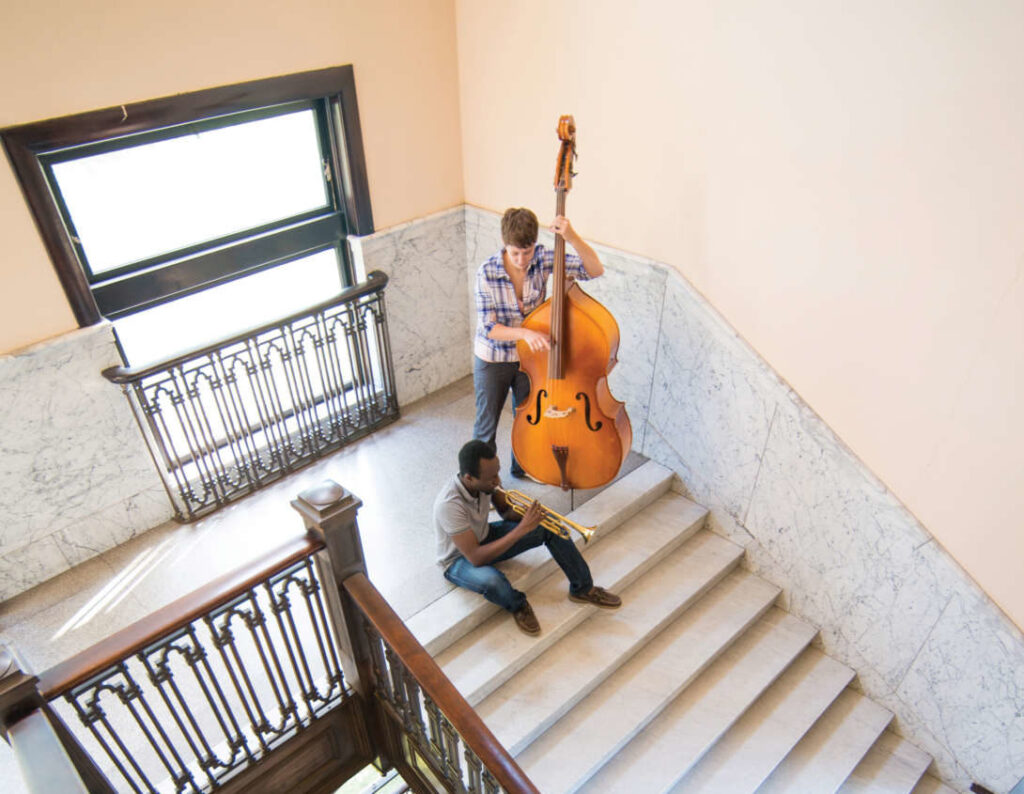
column 188, row 706
column 228, row 419
column 442, row 738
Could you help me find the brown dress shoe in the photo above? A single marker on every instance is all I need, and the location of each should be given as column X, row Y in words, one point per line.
column 526, row 620
column 597, row 596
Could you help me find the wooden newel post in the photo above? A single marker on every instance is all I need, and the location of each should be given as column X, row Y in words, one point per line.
column 19, row 695
column 49, row 756
column 329, row 510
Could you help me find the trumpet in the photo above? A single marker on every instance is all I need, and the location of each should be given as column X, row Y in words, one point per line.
column 551, row 521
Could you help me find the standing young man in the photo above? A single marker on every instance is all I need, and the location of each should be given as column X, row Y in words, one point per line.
column 467, row 544
column 509, row 286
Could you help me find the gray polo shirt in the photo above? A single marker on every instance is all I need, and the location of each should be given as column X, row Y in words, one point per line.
column 456, row 511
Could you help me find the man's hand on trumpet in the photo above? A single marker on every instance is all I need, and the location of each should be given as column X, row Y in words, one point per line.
column 532, row 516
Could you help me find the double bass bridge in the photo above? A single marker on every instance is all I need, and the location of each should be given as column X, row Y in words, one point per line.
column 554, row 412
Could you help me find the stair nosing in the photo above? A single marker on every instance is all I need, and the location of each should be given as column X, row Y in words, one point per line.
column 675, row 686
column 728, row 565
column 802, row 642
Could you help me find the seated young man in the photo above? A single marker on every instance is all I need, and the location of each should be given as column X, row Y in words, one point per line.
column 467, row 544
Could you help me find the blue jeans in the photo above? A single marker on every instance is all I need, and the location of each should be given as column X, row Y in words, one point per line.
column 493, row 585
column 492, row 381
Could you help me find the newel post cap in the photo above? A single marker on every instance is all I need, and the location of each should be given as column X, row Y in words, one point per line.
column 325, row 502
column 331, row 510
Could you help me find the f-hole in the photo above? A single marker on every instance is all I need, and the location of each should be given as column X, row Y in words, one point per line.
column 586, row 411
column 536, row 417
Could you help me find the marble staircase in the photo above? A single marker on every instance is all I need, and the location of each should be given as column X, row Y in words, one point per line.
column 699, row 683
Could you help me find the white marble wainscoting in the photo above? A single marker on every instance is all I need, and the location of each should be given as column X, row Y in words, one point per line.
column 925, row 640
column 426, row 299
column 76, row 478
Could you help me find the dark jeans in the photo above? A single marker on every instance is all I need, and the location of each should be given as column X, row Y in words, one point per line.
column 493, row 585
column 492, row 382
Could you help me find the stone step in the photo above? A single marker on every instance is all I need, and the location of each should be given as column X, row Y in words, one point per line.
column 459, row 611
column 481, row 662
column 541, row 693
column 931, row 785
column 689, row 726
column 746, row 755
column 831, row 750
column 587, row 737
column 892, row 766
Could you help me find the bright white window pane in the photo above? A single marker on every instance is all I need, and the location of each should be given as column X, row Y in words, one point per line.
column 197, row 320
column 137, row 203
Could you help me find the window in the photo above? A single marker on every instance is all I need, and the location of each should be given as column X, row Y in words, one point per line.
column 207, row 213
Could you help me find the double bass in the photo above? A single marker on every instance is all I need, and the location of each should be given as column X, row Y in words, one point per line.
column 570, row 431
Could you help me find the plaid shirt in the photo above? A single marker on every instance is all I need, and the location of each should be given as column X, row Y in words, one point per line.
column 496, row 302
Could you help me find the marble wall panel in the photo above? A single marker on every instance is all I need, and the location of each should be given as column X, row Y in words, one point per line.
column 75, row 476
column 966, row 688
column 483, row 237
column 710, row 402
column 890, row 602
column 26, row 566
column 483, row 240
column 114, row 525
column 824, row 524
column 426, row 300
column 633, row 290
column 70, row 444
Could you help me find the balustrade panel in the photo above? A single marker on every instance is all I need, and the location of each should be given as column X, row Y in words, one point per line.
column 229, row 419
column 209, row 699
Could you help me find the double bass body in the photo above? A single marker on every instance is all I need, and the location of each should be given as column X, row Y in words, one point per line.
column 571, row 431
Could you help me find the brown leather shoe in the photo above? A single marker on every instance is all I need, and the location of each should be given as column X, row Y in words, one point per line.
column 526, row 620
column 597, row 596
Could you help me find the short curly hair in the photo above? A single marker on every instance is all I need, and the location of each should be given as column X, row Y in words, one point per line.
column 472, row 453
column 519, row 227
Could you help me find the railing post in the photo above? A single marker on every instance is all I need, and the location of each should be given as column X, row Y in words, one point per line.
column 330, row 510
column 19, row 695
column 50, row 757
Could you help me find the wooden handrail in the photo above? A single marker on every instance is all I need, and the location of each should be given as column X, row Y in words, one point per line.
column 96, row 658
column 375, row 282
column 436, row 684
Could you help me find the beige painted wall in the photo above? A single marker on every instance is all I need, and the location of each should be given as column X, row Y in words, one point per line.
column 843, row 181
column 58, row 58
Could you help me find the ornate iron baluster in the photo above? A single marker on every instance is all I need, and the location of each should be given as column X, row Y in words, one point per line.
column 473, row 771
column 452, row 762
column 232, row 417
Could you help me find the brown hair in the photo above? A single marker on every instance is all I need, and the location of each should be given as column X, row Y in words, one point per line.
column 519, row 227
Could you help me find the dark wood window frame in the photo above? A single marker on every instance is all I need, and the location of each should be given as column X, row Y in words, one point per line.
column 25, row 143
